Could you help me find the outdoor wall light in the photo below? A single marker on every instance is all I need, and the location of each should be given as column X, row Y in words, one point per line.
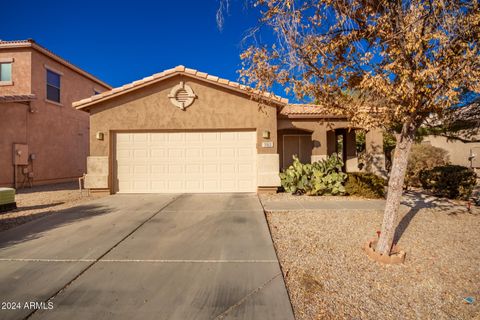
column 99, row 135
column 266, row 134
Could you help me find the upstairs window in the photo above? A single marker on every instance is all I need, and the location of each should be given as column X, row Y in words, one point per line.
column 53, row 86
column 6, row 71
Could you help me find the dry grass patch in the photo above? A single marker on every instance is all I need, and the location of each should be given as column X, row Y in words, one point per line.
column 329, row 277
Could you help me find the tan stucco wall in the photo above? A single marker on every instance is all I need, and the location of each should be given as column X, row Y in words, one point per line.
column 458, row 151
column 319, row 130
column 21, row 71
column 149, row 109
column 13, row 130
column 56, row 134
column 324, row 143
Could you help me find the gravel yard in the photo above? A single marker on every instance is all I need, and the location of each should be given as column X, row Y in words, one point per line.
column 39, row 201
column 329, row 276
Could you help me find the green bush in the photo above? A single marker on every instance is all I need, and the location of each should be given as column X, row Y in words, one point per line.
column 451, row 181
column 324, row 177
column 423, row 157
column 365, row 184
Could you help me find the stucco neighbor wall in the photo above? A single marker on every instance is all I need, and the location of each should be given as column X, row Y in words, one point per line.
column 13, row 120
column 215, row 108
column 21, row 71
column 56, row 133
column 458, row 151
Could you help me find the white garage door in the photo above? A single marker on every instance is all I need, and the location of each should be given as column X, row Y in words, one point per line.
column 174, row 162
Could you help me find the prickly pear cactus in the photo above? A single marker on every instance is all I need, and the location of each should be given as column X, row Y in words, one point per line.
column 324, row 177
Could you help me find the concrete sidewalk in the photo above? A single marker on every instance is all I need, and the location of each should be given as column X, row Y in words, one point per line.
column 322, row 204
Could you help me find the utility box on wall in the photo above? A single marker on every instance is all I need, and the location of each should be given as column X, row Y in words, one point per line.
column 20, row 154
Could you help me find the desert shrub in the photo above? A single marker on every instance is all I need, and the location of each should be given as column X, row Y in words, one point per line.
column 423, row 157
column 324, row 177
column 451, row 181
column 365, row 184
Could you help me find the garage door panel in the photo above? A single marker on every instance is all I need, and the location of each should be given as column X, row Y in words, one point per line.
column 210, row 137
column 175, row 169
column 245, row 169
column 193, row 168
column 159, row 137
column 210, row 153
column 176, row 153
column 158, row 153
column 246, row 153
column 141, row 154
column 227, row 169
column 227, row 152
column 177, row 162
column 158, row 169
column 211, row 184
column 175, row 138
column 140, row 137
column 123, row 154
column 124, row 169
column 193, row 139
column 193, row 153
column 158, row 185
column 176, row 185
column 141, row 170
column 210, row 168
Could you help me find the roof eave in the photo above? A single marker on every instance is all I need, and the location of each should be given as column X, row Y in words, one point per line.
column 86, row 106
column 311, row 116
column 55, row 57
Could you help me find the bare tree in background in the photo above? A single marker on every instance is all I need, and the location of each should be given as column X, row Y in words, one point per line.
column 381, row 63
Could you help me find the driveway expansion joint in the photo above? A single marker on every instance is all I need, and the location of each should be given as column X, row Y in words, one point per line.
column 94, row 261
column 248, row 295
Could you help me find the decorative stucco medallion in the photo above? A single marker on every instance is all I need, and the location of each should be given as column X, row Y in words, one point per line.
column 182, row 95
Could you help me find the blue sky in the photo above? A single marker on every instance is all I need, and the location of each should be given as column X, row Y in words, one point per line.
column 122, row 41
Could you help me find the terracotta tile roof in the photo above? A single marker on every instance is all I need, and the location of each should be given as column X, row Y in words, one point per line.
column 84, row 103
column 302, row 109
column 17, row 98
column 306, row 110
column 31, row 43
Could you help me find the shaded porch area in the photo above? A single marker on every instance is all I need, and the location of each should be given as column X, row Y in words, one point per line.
column 315, row 139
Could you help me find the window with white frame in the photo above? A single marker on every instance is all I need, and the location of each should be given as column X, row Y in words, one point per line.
column 5, row 71
column 53, row 86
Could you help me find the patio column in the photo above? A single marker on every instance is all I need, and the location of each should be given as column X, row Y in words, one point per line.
column 319, row 138
column 351, row 163
column 374, row 151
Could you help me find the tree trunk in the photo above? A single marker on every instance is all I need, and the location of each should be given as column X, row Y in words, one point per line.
column 395, row 188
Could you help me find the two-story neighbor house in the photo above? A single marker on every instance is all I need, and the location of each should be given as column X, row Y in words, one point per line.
column 43, row 139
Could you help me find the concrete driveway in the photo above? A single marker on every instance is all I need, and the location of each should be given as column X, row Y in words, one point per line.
column 145, row 257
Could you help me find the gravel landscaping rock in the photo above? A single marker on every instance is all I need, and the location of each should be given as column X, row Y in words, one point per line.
column 329, row 276
column 39, row 201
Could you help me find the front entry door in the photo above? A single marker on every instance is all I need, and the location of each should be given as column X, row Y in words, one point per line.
column 300, row 145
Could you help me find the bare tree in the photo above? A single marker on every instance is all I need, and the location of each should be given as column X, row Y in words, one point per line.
column 382, row 63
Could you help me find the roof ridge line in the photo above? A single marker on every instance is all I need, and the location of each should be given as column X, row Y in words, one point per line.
column 35, row 45
column 180, row 69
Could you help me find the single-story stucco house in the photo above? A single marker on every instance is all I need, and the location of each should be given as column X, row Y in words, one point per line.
column 183, row 130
